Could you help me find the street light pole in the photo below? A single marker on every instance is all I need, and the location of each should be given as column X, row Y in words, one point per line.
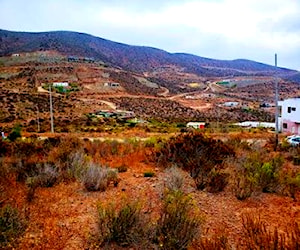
column 51, row 110
column 276, row 106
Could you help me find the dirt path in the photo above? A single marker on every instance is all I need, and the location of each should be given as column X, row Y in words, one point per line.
column 110, row 104
column 41, row 90
column 165, row 92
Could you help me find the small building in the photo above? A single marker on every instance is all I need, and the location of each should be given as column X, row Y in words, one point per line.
column 196, row 125
column 15, row 55
column 290, row 115
column 231, row 104
column 60, row 84
column 112, row 84
column 3, row 135
column 251, row 124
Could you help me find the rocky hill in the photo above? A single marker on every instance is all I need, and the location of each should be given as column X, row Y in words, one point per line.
column 132, row 58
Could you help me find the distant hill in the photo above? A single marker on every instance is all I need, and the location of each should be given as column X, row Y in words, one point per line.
column 132, row 58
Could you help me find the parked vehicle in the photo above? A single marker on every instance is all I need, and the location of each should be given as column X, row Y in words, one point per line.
column 293, row 140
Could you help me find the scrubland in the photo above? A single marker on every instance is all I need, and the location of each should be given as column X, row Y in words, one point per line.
column 188, row 190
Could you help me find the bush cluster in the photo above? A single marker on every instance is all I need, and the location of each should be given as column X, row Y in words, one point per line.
column 254, row 174
column 127, row 225
column 197, row 154
column 179, row 222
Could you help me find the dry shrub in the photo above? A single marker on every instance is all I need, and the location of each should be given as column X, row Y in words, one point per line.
column 258, row 236
column 5, row 148
column 109, row 148
column 24, row 168
column 122, row 169
column 290, row 182
column 60, row 155
column 3, row 195
column 238, row 144
column 125, row 225
column 195, row 153
column 179, row 223
column 97, row 178
column 28, row 147
column 47, row 176
column 12, row 226
column 174, row 179
column 217, row 242
column 217, row 181
column 76, row 164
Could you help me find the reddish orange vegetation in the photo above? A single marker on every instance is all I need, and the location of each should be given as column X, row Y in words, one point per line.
column 65, row 216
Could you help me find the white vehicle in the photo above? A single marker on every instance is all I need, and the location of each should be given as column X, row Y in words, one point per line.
column 294, row 140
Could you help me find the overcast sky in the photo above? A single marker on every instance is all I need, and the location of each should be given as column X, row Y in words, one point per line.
column 221, row 29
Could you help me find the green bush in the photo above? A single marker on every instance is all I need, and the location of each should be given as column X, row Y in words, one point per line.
column 125, row 225
column 15, row 133
column 11, row 225
column 178, row 224
column 149, row 174
column 253, row 173
column 290, row 183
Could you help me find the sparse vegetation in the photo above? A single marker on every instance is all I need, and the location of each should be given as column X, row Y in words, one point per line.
column 95, row 178
column 12, row 226
column 125, row 225
column 221, row 172
column 179, row 222
column 68, row 164
column 181, row 150
column 259, row 236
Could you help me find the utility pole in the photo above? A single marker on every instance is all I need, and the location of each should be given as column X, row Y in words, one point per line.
column 51, row 110
column 38, row 118
column 276, row 107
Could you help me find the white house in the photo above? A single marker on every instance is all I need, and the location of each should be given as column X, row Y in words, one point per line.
column 290, row 115
column 196, row 125
column 111, row 84
column 60, row 84
column 251, row 124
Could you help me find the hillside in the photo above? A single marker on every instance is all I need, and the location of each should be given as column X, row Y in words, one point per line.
column 152, row 83
column 132, row 58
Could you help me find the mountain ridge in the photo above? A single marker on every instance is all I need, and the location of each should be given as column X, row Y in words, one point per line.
column 130, row 57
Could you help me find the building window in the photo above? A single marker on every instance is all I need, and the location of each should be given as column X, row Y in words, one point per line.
column 289, row 109
column 284, row 125
column 293, row 109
